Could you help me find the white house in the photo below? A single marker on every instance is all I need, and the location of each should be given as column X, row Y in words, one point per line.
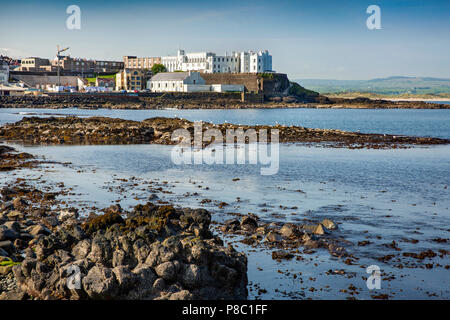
column 4, row 72
column 174, row 81
column 187, row 82
column 209, row 62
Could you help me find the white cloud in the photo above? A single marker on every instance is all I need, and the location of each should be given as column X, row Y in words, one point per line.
column 14, row 53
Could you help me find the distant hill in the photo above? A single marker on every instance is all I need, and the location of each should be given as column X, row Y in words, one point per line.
column 389, row 86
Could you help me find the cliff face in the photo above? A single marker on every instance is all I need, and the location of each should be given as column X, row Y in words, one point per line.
column 275, row 86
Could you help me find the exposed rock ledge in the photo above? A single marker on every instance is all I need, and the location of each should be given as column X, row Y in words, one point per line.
column 151, row 252
column 101, row 130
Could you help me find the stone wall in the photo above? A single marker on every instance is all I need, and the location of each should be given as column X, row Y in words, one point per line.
column 250, row 81
column 270, row 84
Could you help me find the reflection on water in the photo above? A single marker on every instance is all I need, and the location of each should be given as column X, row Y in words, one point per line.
column 375, row 195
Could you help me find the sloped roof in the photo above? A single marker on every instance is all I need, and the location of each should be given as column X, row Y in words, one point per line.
column 170, row 76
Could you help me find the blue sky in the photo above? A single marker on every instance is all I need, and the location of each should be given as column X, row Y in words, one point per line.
column 308, row 39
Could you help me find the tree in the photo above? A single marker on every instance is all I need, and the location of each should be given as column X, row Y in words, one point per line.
column 157, row 67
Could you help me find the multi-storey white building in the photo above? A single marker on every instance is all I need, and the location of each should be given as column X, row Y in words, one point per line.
column 256, row 62
column 225, row 64
column 208, row 62
column 4, row 72
column 199, row 61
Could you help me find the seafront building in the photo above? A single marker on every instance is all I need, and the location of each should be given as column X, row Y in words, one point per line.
column 221, row 73
column 77, row 65
column 207, row 62
column 255, row 62
column 190, row 81
column 4, row 72
column 134, row 62
column 174, row 81
column 34, row 64
column 71, row 65
column 130, row 80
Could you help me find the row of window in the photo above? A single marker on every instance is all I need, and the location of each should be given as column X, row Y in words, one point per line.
column 228, row 59
column 196, row 60
column 174, row 84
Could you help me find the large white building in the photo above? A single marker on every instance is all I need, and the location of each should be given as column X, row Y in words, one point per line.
column 4, row 72
column 209, row 62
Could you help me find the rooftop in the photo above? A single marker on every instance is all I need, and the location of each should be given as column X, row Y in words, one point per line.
column 170, row 76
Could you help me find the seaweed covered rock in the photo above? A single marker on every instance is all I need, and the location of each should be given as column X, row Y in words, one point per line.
column 102, row 222
column 156, row 252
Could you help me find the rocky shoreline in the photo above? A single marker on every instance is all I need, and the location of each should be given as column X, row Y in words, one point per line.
column 97, row 101
column 102, row 130
column 157, row 251
column 150, row 252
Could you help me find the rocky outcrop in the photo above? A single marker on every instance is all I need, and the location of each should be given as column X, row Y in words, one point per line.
column 277, row 91
column 10, row 159
column 285, row 239
column 151, row 252
column 101, row 130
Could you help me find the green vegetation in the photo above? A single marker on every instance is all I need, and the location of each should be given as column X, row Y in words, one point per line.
column 266, row 75
column 91, row 81
column 102, row 222
column 8, row 262
column 298, row 90
column 370, row 95
column 157, row 68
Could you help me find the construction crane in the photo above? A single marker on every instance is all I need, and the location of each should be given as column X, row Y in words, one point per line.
column 57, row 58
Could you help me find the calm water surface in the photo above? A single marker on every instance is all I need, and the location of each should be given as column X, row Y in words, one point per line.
column 374, row 195
column 420, row 122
